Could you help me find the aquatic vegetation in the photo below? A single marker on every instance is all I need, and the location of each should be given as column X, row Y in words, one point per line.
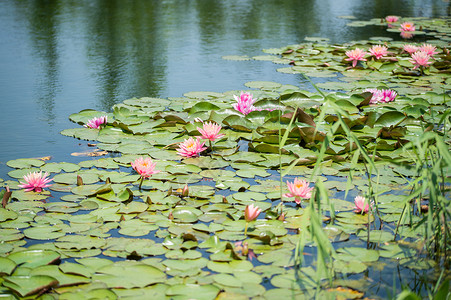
column 168, row 240
column 361, row 204
column 97, row 123
column 191, row 147
column 428, row 49
column 210, row 131
column 407, row 26
column 391, row 19
column 420, row 59
column 355, row 56
column 406, row 35
column 35, row 181
column 185, row 191
column 378, row 51
column 251, row 212
column 299, row 189
column 245, row 103
column 382, row 96
column 145, row 167
column 410, row 48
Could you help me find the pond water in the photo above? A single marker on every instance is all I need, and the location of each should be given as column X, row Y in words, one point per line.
column 60, row 57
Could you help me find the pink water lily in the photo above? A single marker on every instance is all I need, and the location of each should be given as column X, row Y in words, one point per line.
column 210, row 131
column 388, row 96
column 420, row 59
column 406, row 35
column 245, row 103
column 185, row 190
column 378, row 51
column 409, row 48
column 429, row 49
column 35, row 181
column 96, row 123
column 299, row 189
column 144, row 167
column 355, row 55
column 359, row 205
column 391, row 19
column 251, row 212
column 382, row 96
column 407, row 26
column 191, row 147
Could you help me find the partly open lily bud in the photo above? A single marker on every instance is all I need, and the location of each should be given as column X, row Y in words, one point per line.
column 185, row 191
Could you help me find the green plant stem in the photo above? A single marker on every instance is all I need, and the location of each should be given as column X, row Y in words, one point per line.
column 141, row 183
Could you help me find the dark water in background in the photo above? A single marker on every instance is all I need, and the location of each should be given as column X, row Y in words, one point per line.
column 59, row 57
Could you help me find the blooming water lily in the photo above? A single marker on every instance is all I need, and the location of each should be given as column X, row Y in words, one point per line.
column 410, row 48
column 429, row 49
column 359, row 204
column 96, row 123
column 299, row 189
column 191, row 147
column 391, row 19
column 35, row 181
column 245, row 103
column 420, row 59
column 378, row 51
column 210, row 131
column 355, row 55
column 407, row 26
column 144, row 167
column 382, row 96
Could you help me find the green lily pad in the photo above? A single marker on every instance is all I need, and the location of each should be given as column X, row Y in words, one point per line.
column 128, row 274
column 98, row 293
column 186, row 214
column 34, row 258
column 43, row 233
column 194, row 291
column 58, row 167
column 76, row 269
column 264, row 85
column 29, row 285
column 63, row 279
column 25, row 163
column 6, row 214
column 71, row 178
column 6, row 266
column 357, row 254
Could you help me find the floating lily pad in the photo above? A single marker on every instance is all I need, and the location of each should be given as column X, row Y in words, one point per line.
column 29, row 285
column 128, row 274
column 34, row 258
column 202, row 292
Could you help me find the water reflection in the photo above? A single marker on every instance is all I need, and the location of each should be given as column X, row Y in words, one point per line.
column 59, row 57
column 126, row 49
column 42, row 23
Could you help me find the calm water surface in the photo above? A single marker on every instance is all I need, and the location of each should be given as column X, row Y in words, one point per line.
column 59, row 57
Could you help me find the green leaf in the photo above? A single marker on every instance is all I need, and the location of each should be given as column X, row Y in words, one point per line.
column 193, row 291
column 203, row 106
column 128, row 274
column 34, row 258
column 357, row 254
column 29, row 285
column 6, row 266
column 390, row 118
column 24, row 163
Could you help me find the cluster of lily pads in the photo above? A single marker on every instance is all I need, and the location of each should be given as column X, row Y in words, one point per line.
column 216, row 223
